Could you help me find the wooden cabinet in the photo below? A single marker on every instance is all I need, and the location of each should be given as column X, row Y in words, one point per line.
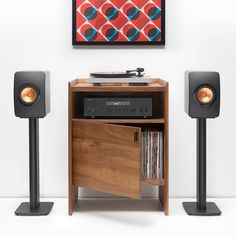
column 105, row 154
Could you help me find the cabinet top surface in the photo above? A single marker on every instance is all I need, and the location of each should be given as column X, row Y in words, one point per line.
column 83, row 86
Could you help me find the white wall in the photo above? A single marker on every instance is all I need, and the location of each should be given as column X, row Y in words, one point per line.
column 36, row 35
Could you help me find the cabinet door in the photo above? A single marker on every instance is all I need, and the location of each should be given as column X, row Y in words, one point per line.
column 106, row 157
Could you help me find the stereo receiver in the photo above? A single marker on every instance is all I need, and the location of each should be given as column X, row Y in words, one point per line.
column 120, row 107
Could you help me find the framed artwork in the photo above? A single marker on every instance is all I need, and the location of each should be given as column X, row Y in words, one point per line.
column 118, row 22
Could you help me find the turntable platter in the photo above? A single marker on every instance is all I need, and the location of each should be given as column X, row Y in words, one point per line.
column 112, row 75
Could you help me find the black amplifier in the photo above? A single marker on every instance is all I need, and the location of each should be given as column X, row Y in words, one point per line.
column 120, row 107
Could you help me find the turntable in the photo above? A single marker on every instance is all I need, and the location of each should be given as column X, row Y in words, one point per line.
column 133, row 77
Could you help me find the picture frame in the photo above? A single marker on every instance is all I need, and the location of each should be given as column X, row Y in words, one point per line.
column 118, row 22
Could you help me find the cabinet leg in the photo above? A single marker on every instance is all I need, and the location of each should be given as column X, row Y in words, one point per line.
column 73, row 198
column 164, row 198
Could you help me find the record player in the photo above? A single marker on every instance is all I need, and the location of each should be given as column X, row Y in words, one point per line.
column 133, row 77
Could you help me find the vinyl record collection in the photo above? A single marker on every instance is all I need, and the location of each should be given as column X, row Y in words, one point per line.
column 152, row 154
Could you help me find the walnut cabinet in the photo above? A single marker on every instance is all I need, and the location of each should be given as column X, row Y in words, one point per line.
column 105, row 154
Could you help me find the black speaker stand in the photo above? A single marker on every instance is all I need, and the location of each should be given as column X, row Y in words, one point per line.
column 34, row 207
column 201, row 207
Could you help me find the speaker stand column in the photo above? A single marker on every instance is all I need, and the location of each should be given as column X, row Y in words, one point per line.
column 34, row 207
column 201, row 207
column 34, row 163
column 201, row 163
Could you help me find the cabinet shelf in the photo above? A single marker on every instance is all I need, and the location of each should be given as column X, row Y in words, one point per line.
column 83, row 85
column 126, row 121
column 160, row 182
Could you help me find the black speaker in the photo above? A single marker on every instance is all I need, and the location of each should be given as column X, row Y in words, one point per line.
column 202, row 101
column 31, row 94
column 202, row 94
column 32, row 100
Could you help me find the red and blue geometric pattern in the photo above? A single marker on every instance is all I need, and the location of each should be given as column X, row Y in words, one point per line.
column 118, row 20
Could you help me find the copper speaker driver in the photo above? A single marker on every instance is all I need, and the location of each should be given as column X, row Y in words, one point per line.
column 205, row 95
column 28, row 95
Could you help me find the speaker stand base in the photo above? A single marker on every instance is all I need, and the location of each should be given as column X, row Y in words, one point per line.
column 192, row 209
column 43, row 209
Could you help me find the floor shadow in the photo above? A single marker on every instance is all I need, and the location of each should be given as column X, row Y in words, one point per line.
column 111, row 210
column 118, row 205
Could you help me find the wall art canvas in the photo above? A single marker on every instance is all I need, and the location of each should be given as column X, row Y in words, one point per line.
column 122, row 22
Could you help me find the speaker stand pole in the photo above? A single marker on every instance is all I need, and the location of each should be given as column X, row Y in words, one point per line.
column 201, row 207
column 34, row 207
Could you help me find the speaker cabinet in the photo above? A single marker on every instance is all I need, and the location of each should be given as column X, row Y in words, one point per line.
column 202, row 94
column 31, row 94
